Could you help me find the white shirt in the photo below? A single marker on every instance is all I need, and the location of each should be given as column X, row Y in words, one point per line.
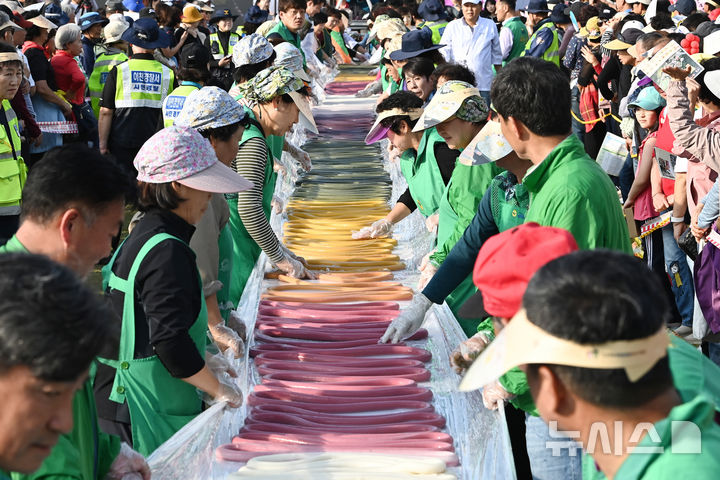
column 477, row 48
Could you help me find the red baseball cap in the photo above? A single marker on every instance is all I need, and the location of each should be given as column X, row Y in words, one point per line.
column 505, row 264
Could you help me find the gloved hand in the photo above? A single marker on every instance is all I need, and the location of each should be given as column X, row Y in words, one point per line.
column 219, row 365
column 409, row 320
column 127, row 464
column 279, row 168
column 494, row 395
column 427, row 274
column 228, row 392
column 463, row 356
column 235, row 322
column 294, row 268
column 379, row 228
column 277, row 204
column 228, row 339
column 289, row 253
column 431, row 222
column 425, row 260
column 301, row 156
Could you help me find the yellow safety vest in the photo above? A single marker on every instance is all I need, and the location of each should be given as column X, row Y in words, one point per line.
column 142, row 83
column 219, row 53
column 96, row 83
column 13, row 171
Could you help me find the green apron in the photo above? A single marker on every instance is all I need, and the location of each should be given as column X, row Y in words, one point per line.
column 423, row 174
column 225, row 248
column 159, row 404
column 245, row 251
column 468, row 178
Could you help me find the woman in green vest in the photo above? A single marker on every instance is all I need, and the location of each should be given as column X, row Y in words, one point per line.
column 193, row 74
column 220, row 119
column 149, row 390
column 275, row 100
column 426, row 161
column 458, row 112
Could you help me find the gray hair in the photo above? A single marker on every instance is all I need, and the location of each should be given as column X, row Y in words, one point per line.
column 67, row 33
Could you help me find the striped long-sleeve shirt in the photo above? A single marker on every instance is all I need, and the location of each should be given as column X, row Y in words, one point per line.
column 250, row 163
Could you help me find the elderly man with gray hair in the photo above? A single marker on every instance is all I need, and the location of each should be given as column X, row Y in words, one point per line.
column 71, row 80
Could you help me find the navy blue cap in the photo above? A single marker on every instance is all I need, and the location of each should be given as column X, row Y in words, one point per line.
column 414, row 43
column 683, row 7
column 537, row 6
column 145, row 33
column 255, row 15
column 432, row 10
column 90, row 19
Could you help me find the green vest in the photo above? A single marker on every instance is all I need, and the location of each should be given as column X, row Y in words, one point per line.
column 13, row 171
column 422, row 173
column 552, row 54
column 520, row 38
column 339, row 41
column 142, row 83
column 159, row 404
column 216, row 47
column 85, row 453
column 327, row 46
column 245, row 250
column 288, row 36
column 96, row 83
column 173, row 103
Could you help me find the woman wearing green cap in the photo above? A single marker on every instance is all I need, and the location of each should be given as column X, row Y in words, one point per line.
column 458, row 112
column 276, row 99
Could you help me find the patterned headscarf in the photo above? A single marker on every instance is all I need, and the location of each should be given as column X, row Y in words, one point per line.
column 268, row 84
column 473, row 110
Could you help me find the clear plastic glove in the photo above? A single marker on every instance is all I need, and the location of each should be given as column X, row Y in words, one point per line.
column 294, row 268
column 431, row 222
column 409, row 320
column 289, row 253
column 277, row 204
column 425, row 260
column 426, row 275
column 235, row 322
column 463, row 356
column 219, row 365
column 302, row 157
column 128, row 464
column 228, row 339
column 228, row 392
column 379, row 228
column 494, row 395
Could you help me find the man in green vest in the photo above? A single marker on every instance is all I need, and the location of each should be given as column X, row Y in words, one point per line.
column 513, row 34
column 131, row 104
column 73, row 207
column 544, row 42
column 114, row 52
column 193, row 74
column 292, row 17
column 53, row 327
column 222, row 42
column 435, row 16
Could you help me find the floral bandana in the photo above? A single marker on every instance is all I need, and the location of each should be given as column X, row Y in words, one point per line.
column 453, row 98
column 251, row 49
column 268, row 84
column 209, row 107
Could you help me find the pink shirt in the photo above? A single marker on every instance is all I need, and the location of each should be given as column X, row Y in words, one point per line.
column 644, row 208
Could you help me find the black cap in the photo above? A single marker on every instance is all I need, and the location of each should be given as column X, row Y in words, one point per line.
column 194, row 55
column 607, row 13
column 147, row 12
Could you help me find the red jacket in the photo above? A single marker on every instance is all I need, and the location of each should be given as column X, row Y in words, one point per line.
column 68, row 76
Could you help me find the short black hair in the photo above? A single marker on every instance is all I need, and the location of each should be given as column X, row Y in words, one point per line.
column 285, row 5
column 404, row 100
column 223, row 133
column 599, row 296
column 651, row 40
column 421, row 66
column 197, row 75
column 333, row 12
column 319, row 18
column 693, row 20
column 453, row 71
column 50, row 321
column 705, row 94
column 243, row 73
column 73, row 175
column 535, row 92
column 586, row 13
column 510, row 3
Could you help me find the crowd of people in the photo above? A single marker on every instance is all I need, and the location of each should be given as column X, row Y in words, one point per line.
column 496, row 113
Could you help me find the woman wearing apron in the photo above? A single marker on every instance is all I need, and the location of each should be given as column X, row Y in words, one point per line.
column 276, row 98
column 458, row 112
column 213, row 112
column 149, row 390
column 426, row 162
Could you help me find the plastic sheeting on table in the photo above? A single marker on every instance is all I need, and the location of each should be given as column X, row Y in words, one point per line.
column 480, row 435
